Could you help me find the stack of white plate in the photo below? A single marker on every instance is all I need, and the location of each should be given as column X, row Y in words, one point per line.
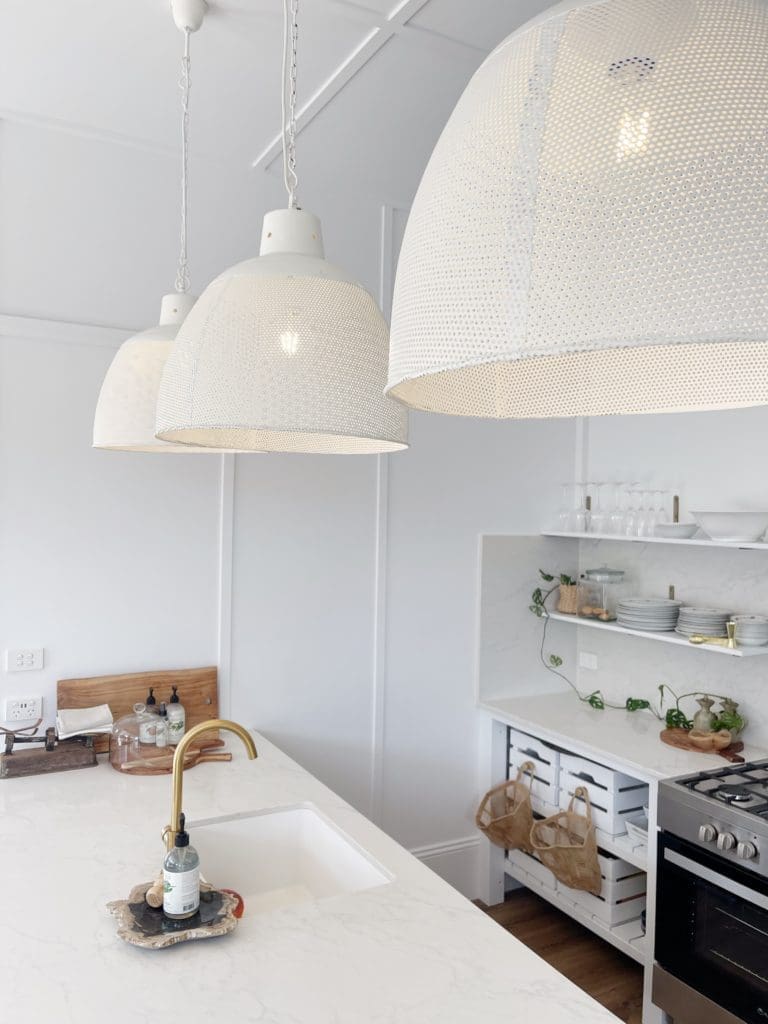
column 751, row 630
column 654, row 614
column 704, row 621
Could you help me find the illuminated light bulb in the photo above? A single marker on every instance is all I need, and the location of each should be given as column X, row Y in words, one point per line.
column 633, row 135
column 289, row 342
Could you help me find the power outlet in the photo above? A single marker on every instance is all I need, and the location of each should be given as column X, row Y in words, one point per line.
column 22, row 709
column 25, row 659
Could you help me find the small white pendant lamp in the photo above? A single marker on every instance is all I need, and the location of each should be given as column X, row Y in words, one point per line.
column 591, row 232
column 127, row 405
column 284, row 352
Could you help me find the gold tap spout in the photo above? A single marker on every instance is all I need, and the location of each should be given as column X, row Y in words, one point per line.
column 171, row 830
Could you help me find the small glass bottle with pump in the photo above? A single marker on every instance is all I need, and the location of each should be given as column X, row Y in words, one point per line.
column 181, row 878
column 161, row 729
column 176, row 718
column 147, row 732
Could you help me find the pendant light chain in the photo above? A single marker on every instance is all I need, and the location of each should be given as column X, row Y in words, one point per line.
column 182, row 273
column 288, row 104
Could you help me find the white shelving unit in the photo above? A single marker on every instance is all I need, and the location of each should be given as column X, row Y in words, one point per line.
column 702, row 542
column 627, row 937
column 665, row 638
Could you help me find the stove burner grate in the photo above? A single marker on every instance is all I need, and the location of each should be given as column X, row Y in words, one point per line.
column 734, row 794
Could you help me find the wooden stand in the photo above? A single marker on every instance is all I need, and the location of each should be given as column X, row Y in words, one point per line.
column 36, row 760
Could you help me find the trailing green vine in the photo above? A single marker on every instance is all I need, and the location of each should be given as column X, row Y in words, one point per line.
column 673, row 717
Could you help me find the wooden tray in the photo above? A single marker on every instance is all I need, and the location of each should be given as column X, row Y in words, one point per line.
column 197, row 687
column 679, row 738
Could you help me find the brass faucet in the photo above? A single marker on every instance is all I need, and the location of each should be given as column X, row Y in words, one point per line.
column 170, row 831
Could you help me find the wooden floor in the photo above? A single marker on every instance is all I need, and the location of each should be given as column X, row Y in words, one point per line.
column 607, row 975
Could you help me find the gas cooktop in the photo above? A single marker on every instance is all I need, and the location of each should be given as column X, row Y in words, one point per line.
column 745, row 788
column 723, row 809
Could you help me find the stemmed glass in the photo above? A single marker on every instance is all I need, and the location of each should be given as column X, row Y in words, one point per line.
column 616, row 513
column 634, row 504
column 595, row 517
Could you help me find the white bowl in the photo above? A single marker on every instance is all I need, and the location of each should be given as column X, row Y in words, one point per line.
column 675, row 531
column 733, row 526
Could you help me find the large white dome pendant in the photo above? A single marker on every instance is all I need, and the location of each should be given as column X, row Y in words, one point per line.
column 125, row 412
column 284, row 352
column 591, row 232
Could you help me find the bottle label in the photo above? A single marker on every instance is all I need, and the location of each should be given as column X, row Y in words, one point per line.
column 176, row 727
column 181, row 891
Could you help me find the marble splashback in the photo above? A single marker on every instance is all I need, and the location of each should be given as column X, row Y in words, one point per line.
column 734, row 580
column 509, row 635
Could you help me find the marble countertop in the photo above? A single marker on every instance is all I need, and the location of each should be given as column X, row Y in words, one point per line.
column 624, row 740
column 410, row 952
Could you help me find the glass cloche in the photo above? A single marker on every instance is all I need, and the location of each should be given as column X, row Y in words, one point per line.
column 134, row 737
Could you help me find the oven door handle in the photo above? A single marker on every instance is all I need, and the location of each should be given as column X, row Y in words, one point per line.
column 721, row 881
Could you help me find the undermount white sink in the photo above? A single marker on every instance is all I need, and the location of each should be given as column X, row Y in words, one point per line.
column 283, row 856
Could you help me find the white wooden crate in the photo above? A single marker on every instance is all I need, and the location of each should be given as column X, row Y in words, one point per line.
column 546, row 761
column 622, row 897
column 614, row 796
column 532, row 867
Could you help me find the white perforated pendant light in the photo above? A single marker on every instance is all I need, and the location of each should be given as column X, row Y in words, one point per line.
column 127, row 405
column 284, row 352
column 591, row 232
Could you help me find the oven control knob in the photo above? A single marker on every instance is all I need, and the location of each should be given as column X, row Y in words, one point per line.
column 707, row 833
column 726, row 841
column 746, row 851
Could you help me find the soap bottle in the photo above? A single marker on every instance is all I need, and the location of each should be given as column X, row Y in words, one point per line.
column 181, row 878
column 161, row 729
column 176, row 718
column 150, row 702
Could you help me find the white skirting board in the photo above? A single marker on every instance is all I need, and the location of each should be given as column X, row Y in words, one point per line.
column 457, row 861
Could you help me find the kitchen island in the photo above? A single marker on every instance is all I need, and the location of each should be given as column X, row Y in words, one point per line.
column 412, row 951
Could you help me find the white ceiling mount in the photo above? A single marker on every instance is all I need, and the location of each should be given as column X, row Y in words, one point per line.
column 291, row 230
column 188, row 14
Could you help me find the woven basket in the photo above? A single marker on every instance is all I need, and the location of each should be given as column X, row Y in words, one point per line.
column 505, row 814
column 565, row 842
column 568, row 599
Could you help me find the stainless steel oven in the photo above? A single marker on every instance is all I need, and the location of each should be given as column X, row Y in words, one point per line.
column 711, row 945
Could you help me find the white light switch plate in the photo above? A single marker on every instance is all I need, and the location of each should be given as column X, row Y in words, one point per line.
column 24, row 659
column 22, row 709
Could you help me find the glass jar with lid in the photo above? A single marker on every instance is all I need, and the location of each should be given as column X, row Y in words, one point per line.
column 600, row 591
column 133, row 737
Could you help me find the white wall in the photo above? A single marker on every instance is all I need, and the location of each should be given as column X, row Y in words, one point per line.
column 461, row 478
column 109, row 562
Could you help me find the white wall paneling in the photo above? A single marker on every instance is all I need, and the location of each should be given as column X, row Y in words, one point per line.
column 109, row 560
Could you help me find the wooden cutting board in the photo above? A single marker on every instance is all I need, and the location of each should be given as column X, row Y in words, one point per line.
column 197, row 687
column 679, row 738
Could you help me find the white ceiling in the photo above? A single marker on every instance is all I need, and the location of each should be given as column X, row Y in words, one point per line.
column 384, row 76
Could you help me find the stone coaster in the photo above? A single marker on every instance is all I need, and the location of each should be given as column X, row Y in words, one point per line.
column 146, row 926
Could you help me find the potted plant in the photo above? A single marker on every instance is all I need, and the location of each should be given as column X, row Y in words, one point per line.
column 568, row 599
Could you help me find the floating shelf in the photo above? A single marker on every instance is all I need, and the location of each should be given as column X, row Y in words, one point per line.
column 665, row 638
column 627, row 937
column 702, row 542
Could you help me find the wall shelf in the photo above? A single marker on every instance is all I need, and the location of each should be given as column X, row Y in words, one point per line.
column 665, row 638
column 702, row 542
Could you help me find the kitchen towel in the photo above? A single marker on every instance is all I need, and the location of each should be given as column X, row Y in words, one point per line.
column 76, row 721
